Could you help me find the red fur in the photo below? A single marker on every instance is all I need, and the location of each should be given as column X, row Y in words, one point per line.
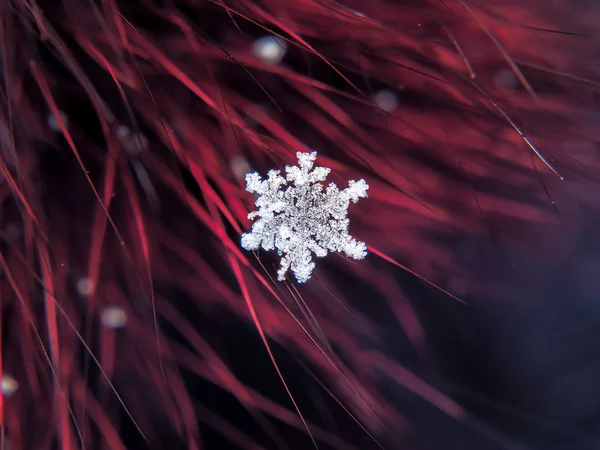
column 150, row 224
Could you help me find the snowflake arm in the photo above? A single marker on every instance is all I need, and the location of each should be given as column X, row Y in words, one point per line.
column 302, row 219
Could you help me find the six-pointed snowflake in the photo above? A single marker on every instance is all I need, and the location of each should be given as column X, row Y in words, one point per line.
column 303, row 218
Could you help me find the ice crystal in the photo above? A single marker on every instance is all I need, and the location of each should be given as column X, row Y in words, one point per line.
column 302, row 218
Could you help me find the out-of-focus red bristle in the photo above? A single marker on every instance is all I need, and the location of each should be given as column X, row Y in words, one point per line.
column 126, row 130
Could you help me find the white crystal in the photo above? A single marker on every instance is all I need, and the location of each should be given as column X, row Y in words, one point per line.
column 302, row 218
column 387, row 100
column 85, row 287
column 270, row 49
column 8, row 385
column 113, row 317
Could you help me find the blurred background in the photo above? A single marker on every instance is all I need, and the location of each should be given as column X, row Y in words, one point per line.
column 132, row 318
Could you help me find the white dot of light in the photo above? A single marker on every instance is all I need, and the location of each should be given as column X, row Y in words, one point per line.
column 270, row 49
column 240, row 166
column 122, row 131
column 133, row 143
column 9, row 385
column 53, row 122
column 506, row 80
column 85, row 286
column 386, row 99
column 113, row 317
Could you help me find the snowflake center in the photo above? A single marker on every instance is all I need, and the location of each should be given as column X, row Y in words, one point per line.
column 302, row 218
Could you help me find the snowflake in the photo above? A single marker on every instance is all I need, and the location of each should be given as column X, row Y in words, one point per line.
column 303, row 218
